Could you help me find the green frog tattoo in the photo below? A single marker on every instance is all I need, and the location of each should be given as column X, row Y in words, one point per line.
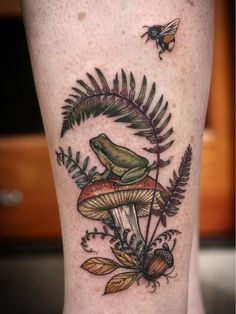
column 125, row 191
column 125, row 164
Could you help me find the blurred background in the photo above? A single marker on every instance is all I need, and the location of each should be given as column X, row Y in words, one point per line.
column 31, row 264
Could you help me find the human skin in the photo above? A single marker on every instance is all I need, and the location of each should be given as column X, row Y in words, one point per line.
column 66, row 40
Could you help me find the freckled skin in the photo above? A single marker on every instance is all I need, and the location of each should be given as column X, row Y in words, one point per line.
column 81, row 16
column 120, row 161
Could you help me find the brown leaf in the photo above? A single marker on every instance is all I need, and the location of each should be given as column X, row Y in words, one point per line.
column 121, row 282
column 100, row 266
column 125, row 258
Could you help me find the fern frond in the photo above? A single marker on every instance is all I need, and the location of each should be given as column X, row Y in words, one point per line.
column 165, row 236
column 172, row 197
column 89, row 235
column 77, row 171
column 96, row 98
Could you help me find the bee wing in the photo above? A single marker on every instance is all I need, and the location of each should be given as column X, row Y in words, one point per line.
column 170, row 28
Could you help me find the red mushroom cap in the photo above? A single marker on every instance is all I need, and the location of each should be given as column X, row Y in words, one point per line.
column 98, row 197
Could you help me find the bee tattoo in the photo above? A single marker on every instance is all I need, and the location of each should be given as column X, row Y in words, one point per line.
column 163, row 35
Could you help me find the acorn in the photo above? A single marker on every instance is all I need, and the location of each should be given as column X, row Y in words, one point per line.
column 161, row 261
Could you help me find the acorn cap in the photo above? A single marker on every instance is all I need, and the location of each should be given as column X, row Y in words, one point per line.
column 166, row 256
column 97, row 198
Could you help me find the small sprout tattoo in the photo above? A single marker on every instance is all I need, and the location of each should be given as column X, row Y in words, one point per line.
column 163, row 35
column 126, row 191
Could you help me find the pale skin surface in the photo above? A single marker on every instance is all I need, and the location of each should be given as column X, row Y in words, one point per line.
column 68, row 39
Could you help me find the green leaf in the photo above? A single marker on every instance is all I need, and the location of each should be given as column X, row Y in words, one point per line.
column 163, row 148
column 164, row 124
column 88, row 89
column 78, row 172
column 80, row 92
column 142, row 93
column 132, row 87
column 72, row 168
column 103, row 80
column 69, row 152
column 165, row 136
column 156, row 108
column 124, row 89
column 158, row 118
column 68, row 162
column 78, row 157
column 164, row 163
column 116, row 84
column 76, row 175
column 85, row 164
column 150, row 98
column 97, row 88
column 151, row 149
column 70, row 101
column 92, row 172
column 174, row 197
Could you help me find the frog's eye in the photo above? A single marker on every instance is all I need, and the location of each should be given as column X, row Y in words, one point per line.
column 96, row 145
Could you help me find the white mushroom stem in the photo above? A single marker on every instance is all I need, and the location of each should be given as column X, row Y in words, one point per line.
column 125, row 218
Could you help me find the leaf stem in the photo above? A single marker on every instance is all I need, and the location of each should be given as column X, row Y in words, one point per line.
column 154, row 232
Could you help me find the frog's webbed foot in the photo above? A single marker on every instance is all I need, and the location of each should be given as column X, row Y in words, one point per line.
column 97, row 177
column 117, row 181
column 100, row 176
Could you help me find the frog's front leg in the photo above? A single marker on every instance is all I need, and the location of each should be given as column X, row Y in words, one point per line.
column 134, row 175
column 102, row 176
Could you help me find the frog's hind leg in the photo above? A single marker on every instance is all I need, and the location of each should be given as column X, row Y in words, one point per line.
column 134, row 175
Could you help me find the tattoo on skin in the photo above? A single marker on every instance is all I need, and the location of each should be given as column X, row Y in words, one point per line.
column 163, row 35
column 129, row 188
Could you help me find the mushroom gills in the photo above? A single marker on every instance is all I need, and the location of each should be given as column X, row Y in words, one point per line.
column 125, row 219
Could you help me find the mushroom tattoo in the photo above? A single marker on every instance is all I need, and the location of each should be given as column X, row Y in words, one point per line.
column 129, row 188
column 121, row 204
